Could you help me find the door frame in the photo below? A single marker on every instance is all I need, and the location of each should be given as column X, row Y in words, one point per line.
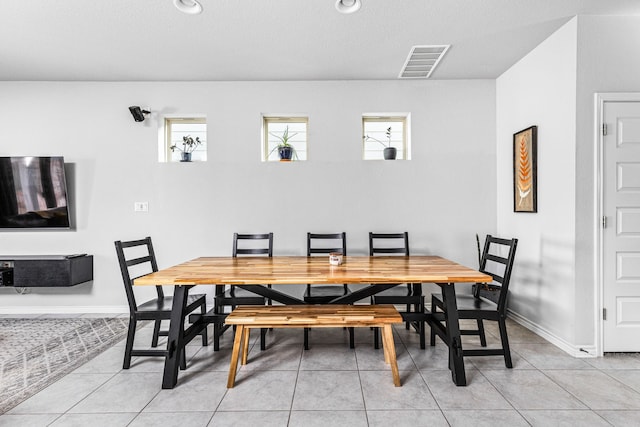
column 600, row 99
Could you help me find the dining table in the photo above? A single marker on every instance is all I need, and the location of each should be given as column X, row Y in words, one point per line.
column 255, row 273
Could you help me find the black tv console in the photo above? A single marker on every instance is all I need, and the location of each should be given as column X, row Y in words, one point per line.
column 37, row 271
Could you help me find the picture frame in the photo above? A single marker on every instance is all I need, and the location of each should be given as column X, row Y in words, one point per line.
column 525, row 170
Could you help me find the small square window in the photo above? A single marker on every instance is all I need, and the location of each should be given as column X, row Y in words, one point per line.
column 176, row 129
column 280, row 130
column 380, row 132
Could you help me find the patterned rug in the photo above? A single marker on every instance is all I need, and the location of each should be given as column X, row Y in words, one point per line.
column 35, row 353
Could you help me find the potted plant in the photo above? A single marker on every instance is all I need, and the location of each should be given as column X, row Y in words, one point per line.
column 188, row 146
column 285, row 150
column 389, row 152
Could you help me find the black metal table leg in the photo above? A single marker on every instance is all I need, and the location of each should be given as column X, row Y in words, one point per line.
column 175, row 338
column 456, row 361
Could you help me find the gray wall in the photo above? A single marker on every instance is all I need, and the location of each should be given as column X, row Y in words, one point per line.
column 443, row 196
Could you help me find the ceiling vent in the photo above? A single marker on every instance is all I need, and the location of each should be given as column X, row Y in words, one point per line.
column 422, row 60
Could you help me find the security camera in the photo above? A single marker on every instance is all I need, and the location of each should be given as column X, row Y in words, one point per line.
column 138, row 113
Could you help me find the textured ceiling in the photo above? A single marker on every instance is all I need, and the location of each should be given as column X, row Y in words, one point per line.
column 150, row 40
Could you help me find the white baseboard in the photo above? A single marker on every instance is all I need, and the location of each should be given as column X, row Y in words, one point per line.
column 72, row 309
column 573, row 350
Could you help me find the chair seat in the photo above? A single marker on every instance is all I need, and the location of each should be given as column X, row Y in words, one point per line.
column 240, row 297
column 396, row 291
column 165, row 304
column 469, row 303
column 325, row 292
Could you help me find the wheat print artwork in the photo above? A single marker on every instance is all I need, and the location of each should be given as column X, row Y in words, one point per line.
column 524, row 170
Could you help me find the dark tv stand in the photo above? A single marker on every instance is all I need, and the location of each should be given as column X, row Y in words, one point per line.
column 37, row 271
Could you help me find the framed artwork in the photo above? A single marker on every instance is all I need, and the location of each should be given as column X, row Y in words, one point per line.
column 525, row 170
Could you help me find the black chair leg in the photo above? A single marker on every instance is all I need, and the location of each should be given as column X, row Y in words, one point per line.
column 407, row 324
column 505, row 342
column 352, row 342
column 263, row 338
column 432, row 334
column 483, row 338
column 422, row 336
column 156, row 333
column 183, row 359
column 205, row 335
column 217, row 331
column 376, row 338
column 131, row 334
column 306, row 338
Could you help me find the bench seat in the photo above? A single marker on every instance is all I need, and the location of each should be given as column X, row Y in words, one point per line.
column 312, row 316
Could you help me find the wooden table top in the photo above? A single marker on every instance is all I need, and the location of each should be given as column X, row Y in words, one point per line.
column 284, row 270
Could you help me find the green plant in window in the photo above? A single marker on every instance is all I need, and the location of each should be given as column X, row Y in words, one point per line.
column 284, row 148
column 189, row 144
column 387, row 133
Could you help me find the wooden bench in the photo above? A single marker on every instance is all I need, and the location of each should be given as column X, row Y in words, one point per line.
column 312, row 316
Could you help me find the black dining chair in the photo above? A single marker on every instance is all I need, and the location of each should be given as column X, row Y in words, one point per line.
column 232, row 296
column 488, row 302
column 136, row 259
column 324, row 244
column 409, row 295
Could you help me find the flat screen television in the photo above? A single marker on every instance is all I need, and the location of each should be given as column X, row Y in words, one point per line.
column 33, row 193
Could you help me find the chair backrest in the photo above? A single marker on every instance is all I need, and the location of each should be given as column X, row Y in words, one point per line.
column 263, row 246
column 328, row 242
column 498, row 265
column 136, row 259
column 389, row 243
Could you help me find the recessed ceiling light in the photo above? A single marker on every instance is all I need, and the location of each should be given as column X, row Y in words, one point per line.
column 348, row 6
column 192, row 7
column 422, row 60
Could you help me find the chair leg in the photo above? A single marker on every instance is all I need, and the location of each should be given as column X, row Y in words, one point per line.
column 505, row 342
column 432, row 334
column 156, row 333
column 376, row 338
column 131, row 334
column 483, row 338
column 306, row 338
column 217, row 328
column 263, row 338
column 183, row 359
column 407, row 324
column 205, row 335
column 352, row 341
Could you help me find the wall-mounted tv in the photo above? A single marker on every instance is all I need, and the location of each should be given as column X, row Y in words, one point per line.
column 33, row 193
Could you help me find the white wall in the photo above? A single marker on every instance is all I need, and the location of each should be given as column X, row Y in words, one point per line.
column 443, row 196
column 608, row 61
column 541, row 90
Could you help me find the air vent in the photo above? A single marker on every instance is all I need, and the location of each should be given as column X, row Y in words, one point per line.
column 422, row 60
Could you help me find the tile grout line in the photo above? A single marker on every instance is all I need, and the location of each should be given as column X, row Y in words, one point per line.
column 506, row 399
column 364, row 401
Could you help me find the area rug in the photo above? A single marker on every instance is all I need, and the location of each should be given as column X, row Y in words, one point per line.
column 35, row 353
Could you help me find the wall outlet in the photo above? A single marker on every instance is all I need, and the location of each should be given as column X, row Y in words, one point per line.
column 141, row 207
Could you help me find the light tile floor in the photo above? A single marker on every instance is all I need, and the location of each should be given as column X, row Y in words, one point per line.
column 331, row 385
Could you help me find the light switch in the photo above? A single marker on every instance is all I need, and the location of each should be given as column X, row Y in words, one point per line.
column 141, row 207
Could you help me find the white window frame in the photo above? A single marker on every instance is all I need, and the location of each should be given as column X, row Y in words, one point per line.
column 164, row 135
column 282, row 118
column 404, row 152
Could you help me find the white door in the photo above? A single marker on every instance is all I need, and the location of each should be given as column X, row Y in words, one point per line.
column 621, row 236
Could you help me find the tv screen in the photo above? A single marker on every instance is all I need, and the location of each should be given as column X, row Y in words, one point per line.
column 33, row 193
